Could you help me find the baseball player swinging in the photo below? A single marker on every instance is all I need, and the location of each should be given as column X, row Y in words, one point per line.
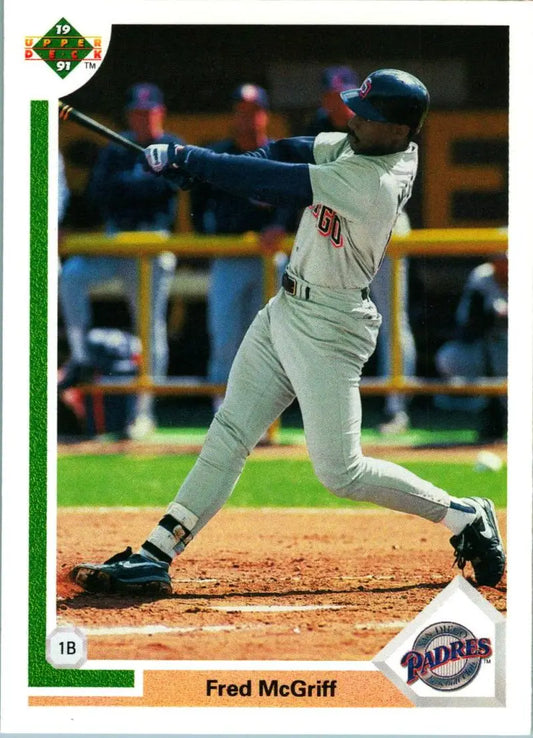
column 313, row 338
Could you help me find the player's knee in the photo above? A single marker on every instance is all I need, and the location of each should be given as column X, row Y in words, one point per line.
column 226, row 445
column 342, row 480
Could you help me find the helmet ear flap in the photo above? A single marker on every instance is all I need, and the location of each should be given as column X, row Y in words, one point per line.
column 422, row 120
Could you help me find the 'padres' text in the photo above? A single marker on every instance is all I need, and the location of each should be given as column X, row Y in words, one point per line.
column 460, row 650
column 272, row 688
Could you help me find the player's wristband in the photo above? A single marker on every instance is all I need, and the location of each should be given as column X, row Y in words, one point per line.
column 176, row 155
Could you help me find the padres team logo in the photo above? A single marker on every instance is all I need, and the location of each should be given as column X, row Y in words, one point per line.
column 63, row 48
column 365, row 88
column 446, row 656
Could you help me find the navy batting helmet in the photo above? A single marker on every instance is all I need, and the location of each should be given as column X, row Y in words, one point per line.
column 390, row 96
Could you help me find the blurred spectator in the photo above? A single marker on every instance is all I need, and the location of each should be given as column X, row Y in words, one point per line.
column 63, row 193
column 480, row 348
column 236, row 283
column 395, row 409
column 333, row 115
column 128, row 199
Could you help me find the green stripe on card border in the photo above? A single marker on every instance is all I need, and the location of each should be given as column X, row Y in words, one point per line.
column 40, row 672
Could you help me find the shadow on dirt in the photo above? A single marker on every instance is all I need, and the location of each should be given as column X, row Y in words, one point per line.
column 85, row 600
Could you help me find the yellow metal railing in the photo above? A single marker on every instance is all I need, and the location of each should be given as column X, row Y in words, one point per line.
column 435, row 243
column 429, row 243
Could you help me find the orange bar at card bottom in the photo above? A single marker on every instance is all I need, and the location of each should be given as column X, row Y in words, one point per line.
column 251, row 689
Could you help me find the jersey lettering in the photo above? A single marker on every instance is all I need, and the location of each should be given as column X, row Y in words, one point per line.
column 329, row 224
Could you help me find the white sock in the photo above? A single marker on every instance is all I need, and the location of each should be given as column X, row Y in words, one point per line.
column 171, row 534
column 460, row 514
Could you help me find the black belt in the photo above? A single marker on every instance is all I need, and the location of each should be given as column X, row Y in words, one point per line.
column 290, row 285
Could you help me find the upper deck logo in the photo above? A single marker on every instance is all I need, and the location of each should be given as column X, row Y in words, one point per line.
column 446, row 656
column 63, row 48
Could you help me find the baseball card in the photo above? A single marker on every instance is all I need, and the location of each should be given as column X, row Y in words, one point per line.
column 267, row 368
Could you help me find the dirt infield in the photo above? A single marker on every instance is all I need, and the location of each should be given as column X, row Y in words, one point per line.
column 272, row 584
column 467, row 452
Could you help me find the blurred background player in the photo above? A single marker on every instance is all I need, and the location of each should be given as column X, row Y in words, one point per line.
column 395, row 409
column 127, row 198
column 63, row 192
column 480, row 348
column 236, row 283
column 333, row 115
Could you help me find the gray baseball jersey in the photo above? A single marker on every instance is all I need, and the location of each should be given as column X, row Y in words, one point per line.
column 342, row 237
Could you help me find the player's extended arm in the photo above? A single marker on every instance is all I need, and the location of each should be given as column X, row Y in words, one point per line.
column 276, row 182
column 298, row 149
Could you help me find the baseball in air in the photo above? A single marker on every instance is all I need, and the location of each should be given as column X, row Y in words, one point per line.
column 488, row 461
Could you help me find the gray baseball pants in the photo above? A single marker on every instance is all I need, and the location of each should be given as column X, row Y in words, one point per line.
column 313, row 349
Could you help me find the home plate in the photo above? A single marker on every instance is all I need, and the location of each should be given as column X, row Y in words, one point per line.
column 274, row 608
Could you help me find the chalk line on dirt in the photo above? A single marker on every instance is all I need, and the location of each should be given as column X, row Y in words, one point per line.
column 274, row 608
column 156, row 629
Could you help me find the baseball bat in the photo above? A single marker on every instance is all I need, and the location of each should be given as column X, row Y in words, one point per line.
column 67, row 112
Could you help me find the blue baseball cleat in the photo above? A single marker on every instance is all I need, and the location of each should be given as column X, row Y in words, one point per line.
column 481, row 544
column 124, row 573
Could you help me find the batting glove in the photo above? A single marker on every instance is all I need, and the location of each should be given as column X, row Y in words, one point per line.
column 161, row 157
